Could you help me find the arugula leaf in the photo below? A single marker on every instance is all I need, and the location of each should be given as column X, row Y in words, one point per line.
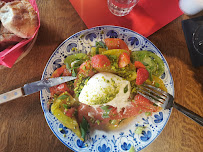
column 106, row 111
column 84, row 127
column 126, row 89
column 74, row 73
column 101, row 44
column 64, row 96
column 68, row 67
column 97, row 50
column 65, row 106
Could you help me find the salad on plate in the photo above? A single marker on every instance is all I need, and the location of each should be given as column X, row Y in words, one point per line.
column 104, row 94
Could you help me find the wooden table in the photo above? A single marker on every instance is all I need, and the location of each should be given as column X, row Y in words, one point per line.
column 22, row 123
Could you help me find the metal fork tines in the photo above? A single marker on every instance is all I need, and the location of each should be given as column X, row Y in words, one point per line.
column 166, row 101
column 154, row 94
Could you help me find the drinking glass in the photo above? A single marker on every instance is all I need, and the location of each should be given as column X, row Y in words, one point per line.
column 121, row 7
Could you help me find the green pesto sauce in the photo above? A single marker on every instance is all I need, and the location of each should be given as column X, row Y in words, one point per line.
column 107, row 95
column 81, row 82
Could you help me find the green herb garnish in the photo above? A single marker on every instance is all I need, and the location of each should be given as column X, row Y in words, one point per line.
column 84, row 127
column 157, row 85
column 65, row 106
column 62, row 97
column 106, row 111
column 126, row 89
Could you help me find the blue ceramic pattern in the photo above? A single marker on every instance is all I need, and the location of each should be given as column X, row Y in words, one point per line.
column 98, row 140
column 159, row 117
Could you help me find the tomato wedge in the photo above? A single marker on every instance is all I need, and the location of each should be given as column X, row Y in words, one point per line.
column 116, row 43
column 70, row 112
column 124, row 60
column 60, row 89
column 86, row 69
column 100, row 61
column 62, row 71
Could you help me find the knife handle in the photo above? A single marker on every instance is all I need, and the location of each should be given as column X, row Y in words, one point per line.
column 11, row 95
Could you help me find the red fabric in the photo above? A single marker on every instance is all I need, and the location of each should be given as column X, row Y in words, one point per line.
column 147, row 16
column 11, row 54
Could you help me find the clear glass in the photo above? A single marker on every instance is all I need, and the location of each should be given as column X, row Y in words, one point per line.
column 121, row 7
column 197, row 39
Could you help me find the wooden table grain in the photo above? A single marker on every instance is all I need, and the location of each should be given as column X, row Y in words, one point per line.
column 23, row 127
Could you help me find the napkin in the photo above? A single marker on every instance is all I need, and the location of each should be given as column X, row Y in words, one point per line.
column 9, row 56
column 147, row 16
column 190, row 27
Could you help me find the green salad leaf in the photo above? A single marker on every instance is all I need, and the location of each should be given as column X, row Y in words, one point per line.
column 84, row 127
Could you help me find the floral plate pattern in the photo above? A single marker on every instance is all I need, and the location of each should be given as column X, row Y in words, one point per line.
column 98, row 140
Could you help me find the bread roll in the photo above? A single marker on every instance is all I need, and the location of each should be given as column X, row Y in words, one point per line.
column 7, row 38
column 20, row 18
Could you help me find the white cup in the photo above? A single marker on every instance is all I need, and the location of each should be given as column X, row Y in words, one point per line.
column 191, row 7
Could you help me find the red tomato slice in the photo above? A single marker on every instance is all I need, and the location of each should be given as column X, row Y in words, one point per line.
column 70, row 112
column 139, row 64
column 62, row 71
column 142, row 76
column 124, row 60
column 146, row 104
column 60, row 89
column 100, row 61
column 116, row 43
column 86, row 69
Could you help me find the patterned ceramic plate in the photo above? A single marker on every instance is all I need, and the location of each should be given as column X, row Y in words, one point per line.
column 111, row 141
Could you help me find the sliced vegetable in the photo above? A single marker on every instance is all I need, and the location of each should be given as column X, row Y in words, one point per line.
column 116, row 52
column 139, row 64
column 100, row 62
column 87, row 69
column 62, row 71
column 96, row 50
column 142, row 76
column 147, row 105
column 69, row 112
column 57, row 90
column 157, row 82
column 80, row 56
column 124, row 60
column 57, row 110
column 116, row 43
column 73, row 62
column 151, row 61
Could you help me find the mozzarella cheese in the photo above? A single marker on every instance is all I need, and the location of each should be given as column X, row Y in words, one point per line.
column 106, row 89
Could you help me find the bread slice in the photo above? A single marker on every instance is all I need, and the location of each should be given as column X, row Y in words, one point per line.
column 20, row 18
column 7, row 38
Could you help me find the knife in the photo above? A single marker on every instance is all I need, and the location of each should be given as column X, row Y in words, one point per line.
column 33, row 87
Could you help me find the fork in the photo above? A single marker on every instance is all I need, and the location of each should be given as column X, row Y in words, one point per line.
column 166, row 101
